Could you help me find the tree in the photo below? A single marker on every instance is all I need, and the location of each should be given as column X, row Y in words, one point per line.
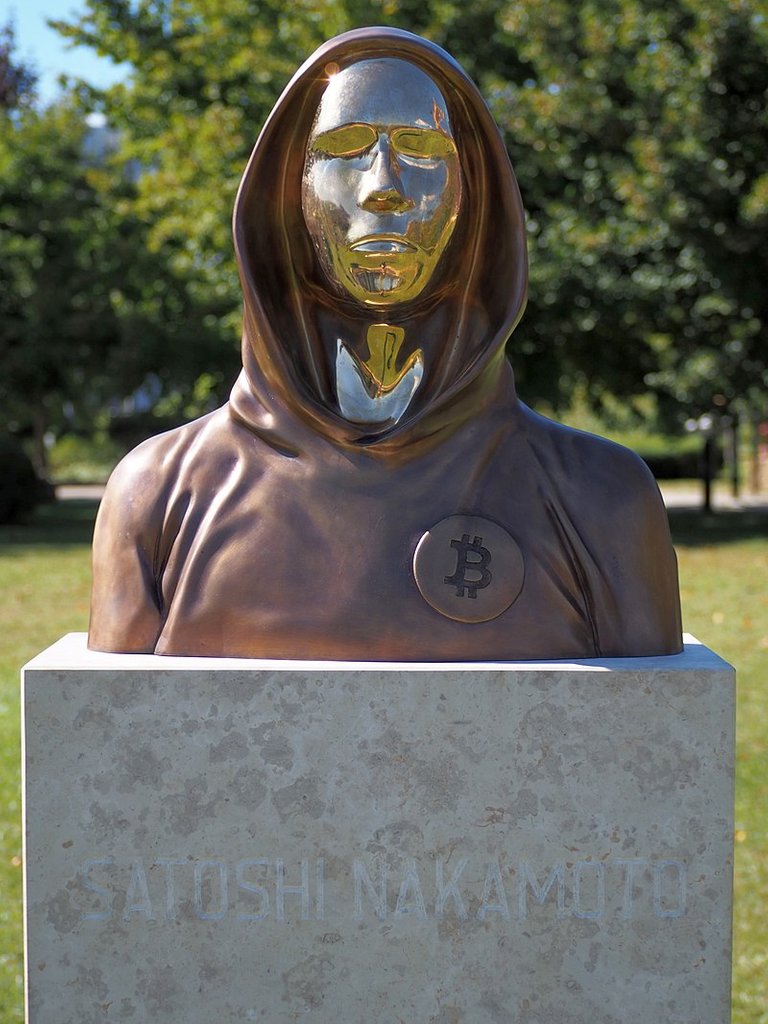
column 640, row 141
column 17, row 79
column 87, row 308
column 54, row 318
column 637, row 128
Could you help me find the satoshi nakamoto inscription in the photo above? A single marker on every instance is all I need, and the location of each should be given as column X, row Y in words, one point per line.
column 291, row 890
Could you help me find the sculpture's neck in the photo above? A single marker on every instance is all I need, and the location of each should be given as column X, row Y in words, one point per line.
column 377, row 390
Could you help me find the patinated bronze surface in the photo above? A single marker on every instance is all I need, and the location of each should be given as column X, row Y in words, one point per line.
column 374, row 489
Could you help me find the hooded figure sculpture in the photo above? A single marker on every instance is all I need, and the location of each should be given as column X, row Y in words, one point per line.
column 374, row 489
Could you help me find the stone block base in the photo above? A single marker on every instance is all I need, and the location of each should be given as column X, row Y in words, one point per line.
column 212, row 841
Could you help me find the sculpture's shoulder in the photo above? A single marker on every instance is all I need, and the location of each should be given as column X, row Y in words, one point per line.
column 147, row 475
column 597, row 474
column 610, row 510
column 144, row 504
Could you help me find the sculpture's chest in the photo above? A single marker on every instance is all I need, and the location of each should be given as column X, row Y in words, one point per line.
column 384, row 569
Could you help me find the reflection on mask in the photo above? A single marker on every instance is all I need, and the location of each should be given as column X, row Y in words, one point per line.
column 382, row 183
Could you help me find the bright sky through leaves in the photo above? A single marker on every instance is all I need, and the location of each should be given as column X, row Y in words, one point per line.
column 50, row 54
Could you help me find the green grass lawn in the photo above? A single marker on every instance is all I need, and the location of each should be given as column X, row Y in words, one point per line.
column 724, row 589
column 44, row 581
column 44, row 584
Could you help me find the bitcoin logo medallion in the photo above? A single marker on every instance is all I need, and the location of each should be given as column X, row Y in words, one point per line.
column 468, row 568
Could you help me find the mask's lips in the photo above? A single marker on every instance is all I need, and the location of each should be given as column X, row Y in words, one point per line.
column 386, row 244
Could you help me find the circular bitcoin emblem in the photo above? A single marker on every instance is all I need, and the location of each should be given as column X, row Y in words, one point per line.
column 468, row 568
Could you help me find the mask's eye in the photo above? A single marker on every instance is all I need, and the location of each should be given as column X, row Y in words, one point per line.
column 424, row 143
column 347, row 140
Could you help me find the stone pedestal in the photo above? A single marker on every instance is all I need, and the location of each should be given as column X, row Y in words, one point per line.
column 214, row 840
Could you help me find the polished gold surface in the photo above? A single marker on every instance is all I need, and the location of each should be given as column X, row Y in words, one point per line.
column 377, row 390
column 384, row 344
column 382, row 183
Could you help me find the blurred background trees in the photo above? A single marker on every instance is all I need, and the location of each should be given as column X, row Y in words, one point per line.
column 637, row 129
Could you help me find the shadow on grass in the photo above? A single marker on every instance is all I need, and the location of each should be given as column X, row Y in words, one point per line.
column 60, row 523
column 696, row 528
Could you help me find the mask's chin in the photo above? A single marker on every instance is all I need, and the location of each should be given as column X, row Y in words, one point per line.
column 383, row 279
column 377, row 285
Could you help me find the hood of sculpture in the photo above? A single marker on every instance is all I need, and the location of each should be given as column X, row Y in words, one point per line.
column 380, row 236
column 374, row 489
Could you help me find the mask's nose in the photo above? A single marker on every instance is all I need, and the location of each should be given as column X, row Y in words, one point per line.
column 381, row 190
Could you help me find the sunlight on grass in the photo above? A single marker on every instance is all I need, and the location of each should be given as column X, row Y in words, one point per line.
column 724, row 589
column 44, row 590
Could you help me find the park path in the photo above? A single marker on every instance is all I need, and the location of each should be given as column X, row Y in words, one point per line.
column 676, row 495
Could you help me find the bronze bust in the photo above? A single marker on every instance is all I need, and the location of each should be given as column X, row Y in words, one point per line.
column 374, row 489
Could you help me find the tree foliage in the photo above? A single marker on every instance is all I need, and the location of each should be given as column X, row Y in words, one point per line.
column 56, row 322
column 87, row 308
column 18, row 80
column 641, row 145
column 637, row 129
column 91, row 311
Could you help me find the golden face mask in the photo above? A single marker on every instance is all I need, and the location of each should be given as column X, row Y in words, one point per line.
column 381, row 189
